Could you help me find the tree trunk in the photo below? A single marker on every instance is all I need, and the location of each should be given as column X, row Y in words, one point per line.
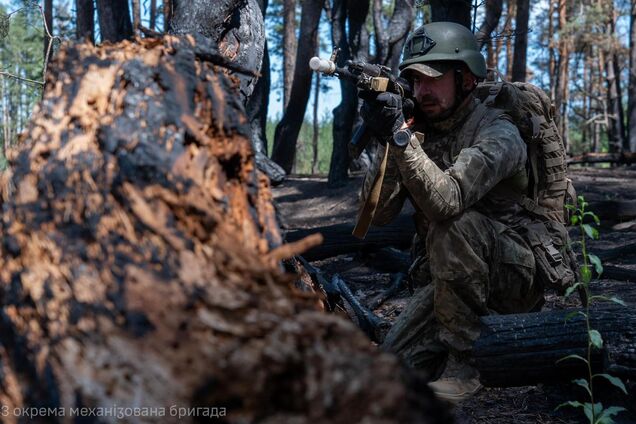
column 512, row 11
column 290, row 46
column 458, row 11
column 491, row 21
column 551, row 55
column 348, row 19
column 238, row 28
column 114, row 20
column 316, row 127
column 85, row 20
column 137, row 262
column 631, row 108
column 562, row 70
column 256, row 110
column 616, row 128
column 136, row 13
column 153, row 14
column 48, row 26
column 504, row 359
column 167, row 14
column 286, row 134
column 521, row 41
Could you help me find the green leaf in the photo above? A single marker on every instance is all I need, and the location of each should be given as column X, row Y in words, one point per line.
column 594, row 217
column 617, row 300
column 596, row 339
column 572, row 403
column 574, row 219
column 605, row 417
column 587, row 408
column 570, row 207
column 580, row 358
column 596, row 261
column 571, row 289
column 583, row 383
column 586, row 274
column 614, row 380
column 590, row 231
column 573, row 314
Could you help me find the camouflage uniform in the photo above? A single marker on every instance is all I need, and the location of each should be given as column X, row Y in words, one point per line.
column 479, row 264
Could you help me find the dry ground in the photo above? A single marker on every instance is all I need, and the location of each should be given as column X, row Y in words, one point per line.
column 307, row 202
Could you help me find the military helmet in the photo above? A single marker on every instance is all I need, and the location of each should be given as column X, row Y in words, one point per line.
column 430, row 47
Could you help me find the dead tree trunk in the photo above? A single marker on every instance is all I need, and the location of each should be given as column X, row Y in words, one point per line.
column 48, row 26
column 114, row 20
column 521, row 41
column 504, row 358
column 346, row 31
column 452, row 11
column 290, row 46
column 85, row 20
column 137, row 266
column 238, row 28
column 286, row 136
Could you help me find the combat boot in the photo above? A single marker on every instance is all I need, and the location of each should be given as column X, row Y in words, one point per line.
column 458, row 382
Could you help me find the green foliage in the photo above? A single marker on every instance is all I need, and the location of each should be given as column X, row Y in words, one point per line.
column 304, row 148
column 21, row 55
column 596, row 413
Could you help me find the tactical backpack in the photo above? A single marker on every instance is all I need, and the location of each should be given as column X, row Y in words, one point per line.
column 548, row 186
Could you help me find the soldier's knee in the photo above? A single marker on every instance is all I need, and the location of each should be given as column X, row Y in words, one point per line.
column 443, row 233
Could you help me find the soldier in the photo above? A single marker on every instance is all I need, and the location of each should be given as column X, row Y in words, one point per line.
column 464, row 169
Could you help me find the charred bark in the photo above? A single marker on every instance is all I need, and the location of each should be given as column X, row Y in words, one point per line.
column 48, row 26
column 290, row 47
column 287, row 130
column 85, row 20
column 238, row 28
column 521, row 41
column 457, row 11
column 337, row 239
column 114, row 20
column 139, row 264
column 348, row 19
column 504, row 359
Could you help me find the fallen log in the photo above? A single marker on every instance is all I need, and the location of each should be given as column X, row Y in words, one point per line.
column 619, row 158
column 338, row 239
column 526, row 349
column 616, row 252
column 138, row 260
column 613, row 210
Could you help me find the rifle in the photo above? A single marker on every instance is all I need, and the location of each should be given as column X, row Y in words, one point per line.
column 368, row 77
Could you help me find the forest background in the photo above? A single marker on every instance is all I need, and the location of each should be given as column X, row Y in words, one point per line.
column 581, row 52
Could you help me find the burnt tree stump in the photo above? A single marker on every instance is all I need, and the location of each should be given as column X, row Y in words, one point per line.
column 139, row 263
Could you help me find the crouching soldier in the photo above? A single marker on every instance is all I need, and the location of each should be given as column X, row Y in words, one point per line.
column 488, row 194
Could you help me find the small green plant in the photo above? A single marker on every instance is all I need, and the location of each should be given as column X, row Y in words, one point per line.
column 594, row 411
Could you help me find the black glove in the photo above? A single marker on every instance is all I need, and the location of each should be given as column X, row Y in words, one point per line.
column 382, row 112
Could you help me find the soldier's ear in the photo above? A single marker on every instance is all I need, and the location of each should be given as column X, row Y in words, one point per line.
column 469, row 81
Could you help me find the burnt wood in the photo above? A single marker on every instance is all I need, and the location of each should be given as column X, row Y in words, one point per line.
column 525, row 349
column 136, row 264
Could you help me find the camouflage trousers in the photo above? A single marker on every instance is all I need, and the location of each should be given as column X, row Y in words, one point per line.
column 478, row 267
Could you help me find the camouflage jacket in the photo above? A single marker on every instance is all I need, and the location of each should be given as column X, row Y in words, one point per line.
column 454, row 165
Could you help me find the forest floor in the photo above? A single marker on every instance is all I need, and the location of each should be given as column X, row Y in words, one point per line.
column 307, row 202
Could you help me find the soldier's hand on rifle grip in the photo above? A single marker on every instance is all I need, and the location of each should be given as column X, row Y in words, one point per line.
column 382, row 112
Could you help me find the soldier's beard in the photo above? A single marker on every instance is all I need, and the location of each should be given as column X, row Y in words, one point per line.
column 445, row 113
